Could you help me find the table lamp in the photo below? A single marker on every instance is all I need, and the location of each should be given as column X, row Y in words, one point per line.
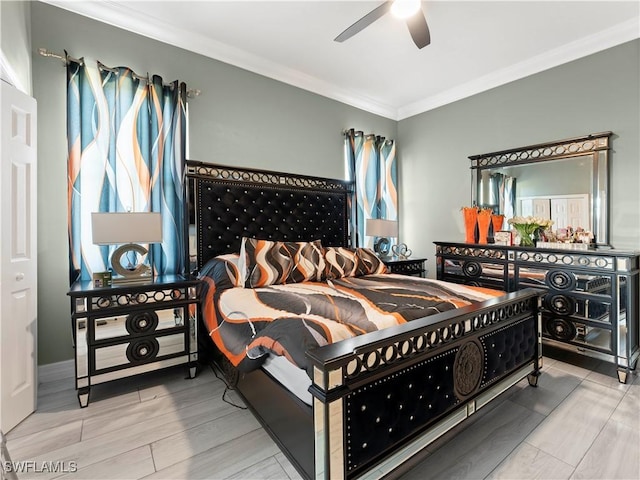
column 382, row 229
column 129, row 230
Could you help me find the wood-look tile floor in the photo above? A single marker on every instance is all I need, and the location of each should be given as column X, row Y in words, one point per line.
column 579, row 423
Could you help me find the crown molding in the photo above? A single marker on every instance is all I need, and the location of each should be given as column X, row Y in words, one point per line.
column 616, row 35
column 118, row 15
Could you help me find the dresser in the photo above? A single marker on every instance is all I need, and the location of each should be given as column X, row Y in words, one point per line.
column 124, row 330
column 590, row 300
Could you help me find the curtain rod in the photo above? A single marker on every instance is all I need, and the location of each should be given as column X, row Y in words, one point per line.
column 66, row 59
column 359, row 132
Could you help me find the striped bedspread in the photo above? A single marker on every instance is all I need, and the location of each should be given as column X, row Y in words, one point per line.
column 247, row 323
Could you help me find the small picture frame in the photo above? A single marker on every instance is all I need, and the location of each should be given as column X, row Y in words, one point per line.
column 102, row 279
column 503, row 237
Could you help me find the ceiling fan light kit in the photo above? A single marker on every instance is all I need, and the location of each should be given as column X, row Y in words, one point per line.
column 405, row 8
column 409, row 10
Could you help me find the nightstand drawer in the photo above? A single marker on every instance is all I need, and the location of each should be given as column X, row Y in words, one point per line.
column 139, row 350
column 138, row 323
column 121, row 298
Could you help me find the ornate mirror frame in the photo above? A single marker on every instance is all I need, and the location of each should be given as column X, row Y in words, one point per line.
column 595, row 147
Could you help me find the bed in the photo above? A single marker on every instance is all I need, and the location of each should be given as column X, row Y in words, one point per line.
column 381, row 386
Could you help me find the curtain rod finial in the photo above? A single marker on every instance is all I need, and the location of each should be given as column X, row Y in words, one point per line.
column 193, row 93
column 48, row 53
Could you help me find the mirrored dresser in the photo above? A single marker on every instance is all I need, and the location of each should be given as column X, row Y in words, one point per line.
column 128, row 329
column 591, row 298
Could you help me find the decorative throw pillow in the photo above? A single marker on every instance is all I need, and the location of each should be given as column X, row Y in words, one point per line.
column 369, row 263
column 264, row 262
column 340, row 262
column 308, row 262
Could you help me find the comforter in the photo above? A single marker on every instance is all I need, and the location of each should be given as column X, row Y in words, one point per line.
column 247, row 323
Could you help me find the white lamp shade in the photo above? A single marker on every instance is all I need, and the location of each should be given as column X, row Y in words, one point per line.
column 376, row 227
column 126, row 227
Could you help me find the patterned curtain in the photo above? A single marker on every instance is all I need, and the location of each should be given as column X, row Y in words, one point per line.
column 126, row 138
column 503, row 193
column 372, row 161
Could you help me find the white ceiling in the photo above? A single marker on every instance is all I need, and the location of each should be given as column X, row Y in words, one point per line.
column 475, row 45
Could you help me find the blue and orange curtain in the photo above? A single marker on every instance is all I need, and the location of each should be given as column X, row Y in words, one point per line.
column 503, row 193
column 126, row 138
column 373, row 168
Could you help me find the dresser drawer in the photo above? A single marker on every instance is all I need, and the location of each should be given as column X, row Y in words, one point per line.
column 578, row 306
column 475, row 272
column 565, row 280
column 567, row 330
column 140, row 322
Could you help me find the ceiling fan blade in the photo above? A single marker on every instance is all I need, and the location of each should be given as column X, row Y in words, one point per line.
column 364, row 22
column 419, row 29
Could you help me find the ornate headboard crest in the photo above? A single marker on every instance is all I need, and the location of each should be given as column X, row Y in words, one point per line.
column 228, row 203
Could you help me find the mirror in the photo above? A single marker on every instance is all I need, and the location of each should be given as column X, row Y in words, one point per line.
column 565, row 181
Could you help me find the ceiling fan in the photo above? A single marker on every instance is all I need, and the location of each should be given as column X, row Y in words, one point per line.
column 410, row 10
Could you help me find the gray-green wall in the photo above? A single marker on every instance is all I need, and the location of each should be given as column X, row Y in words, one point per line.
column 594, row 94
column 15, row 41
column 239, row 119
column 248, row 120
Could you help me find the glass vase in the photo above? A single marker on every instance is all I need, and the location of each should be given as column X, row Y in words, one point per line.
column 496, row 222
column 526, row 240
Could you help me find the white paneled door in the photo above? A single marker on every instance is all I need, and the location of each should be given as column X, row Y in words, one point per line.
column 18, row 272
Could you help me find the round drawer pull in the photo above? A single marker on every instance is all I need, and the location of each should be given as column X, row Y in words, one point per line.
column 560, row 304
column 141, row 322
column 560, row 280
column 142, row 350
column 560, row 329
column 472, row 269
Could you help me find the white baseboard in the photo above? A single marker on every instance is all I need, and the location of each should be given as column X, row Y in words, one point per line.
column 53, row 372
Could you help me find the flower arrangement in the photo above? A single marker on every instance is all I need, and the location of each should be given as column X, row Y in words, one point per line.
column 527, row 227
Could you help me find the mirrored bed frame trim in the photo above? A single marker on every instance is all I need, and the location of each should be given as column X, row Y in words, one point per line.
column 420, row 378
column 596, row 144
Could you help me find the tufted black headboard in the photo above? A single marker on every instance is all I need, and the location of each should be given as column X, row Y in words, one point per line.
column 228, row 203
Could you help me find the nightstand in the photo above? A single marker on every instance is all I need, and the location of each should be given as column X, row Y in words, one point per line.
column 128, row 329
column 407, row 266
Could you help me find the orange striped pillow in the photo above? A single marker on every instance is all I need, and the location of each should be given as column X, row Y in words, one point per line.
column 268, row 262
column 351, row 262
column 340, row 262
column 264, row 262
column 369, row 263
column 308, row 261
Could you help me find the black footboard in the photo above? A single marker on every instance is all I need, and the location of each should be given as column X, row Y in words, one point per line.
column 376, row 400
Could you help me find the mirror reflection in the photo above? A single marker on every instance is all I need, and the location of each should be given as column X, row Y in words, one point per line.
column 564, row 181
column 559, row 190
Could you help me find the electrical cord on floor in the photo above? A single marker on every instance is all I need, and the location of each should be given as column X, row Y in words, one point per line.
column 229, row 376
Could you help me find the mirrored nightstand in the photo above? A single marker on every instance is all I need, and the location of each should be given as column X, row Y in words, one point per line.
column 126, row 330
